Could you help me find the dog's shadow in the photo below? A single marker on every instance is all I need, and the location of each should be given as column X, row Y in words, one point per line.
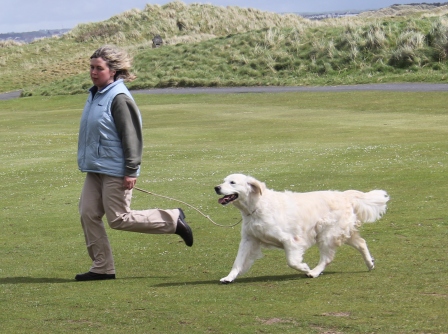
column 243, row 280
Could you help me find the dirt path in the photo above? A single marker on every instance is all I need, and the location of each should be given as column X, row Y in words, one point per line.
column 401, row 87
column 10, row 95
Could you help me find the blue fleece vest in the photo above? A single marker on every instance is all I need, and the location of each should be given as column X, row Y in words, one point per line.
column 99, row 147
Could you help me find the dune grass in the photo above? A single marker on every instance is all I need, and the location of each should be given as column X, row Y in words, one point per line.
column 295, row 141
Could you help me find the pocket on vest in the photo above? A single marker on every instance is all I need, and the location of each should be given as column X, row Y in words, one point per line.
column 110, row 149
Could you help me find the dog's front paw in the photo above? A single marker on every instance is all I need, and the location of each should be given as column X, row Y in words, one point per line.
column 226, row 280
column 312, row 274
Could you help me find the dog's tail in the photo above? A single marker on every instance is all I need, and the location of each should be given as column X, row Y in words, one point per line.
column 368, row 207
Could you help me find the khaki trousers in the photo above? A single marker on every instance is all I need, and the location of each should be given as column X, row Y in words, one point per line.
column 105, row 195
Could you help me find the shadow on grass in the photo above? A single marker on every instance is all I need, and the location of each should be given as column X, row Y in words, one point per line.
column 46, row 280
column 21, row 280
column 243, row 280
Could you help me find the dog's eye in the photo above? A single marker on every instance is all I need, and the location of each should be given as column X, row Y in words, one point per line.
column 232, row 182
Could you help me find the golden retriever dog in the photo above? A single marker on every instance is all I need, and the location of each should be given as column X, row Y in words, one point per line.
column 296, row 221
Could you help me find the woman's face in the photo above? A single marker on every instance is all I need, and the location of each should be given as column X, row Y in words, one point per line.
column 100, row 73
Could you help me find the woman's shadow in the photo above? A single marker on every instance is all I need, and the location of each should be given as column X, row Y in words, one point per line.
column 33, row 280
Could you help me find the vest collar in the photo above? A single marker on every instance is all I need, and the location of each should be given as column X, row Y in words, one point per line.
column 94, row 89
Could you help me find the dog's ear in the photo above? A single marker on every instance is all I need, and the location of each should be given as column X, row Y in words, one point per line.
column 256, row 186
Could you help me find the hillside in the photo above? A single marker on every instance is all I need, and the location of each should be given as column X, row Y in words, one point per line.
column 207, row 45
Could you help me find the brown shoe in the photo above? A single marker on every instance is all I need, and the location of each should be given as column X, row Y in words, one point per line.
column 184, row 230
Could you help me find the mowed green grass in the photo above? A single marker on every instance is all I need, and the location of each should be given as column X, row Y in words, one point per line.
column 295, row 141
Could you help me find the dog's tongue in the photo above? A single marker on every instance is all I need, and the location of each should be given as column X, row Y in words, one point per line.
column 223, row 200
column 227, row 199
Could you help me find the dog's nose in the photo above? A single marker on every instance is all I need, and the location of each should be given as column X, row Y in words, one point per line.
column 217, row 189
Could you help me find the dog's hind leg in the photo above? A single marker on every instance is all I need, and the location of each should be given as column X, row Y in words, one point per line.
column 360, row 244
column 248, row 251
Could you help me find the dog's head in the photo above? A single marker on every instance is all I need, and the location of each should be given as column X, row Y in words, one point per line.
column 239, row 187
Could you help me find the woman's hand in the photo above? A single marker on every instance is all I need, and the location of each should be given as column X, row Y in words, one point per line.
column 129, row 182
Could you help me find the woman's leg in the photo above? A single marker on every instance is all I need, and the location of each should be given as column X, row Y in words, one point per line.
column 91, row 210
column 117, row 201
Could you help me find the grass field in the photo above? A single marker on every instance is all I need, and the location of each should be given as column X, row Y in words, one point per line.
column 296, row 141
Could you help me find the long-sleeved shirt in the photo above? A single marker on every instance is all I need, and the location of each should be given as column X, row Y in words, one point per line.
column 127, row 121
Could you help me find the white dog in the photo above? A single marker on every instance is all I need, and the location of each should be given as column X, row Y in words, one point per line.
column 296, row 221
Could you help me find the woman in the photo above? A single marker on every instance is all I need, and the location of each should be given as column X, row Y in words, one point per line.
column 109, row 151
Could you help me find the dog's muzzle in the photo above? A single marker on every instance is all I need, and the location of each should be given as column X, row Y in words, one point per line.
column 227, row 198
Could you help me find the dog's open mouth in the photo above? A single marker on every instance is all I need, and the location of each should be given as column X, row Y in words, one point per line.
column 227, row 199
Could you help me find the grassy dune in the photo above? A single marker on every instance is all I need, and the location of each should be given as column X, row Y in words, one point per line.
column 209, row 45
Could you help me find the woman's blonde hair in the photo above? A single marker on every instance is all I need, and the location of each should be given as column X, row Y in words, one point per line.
column 117, row 60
